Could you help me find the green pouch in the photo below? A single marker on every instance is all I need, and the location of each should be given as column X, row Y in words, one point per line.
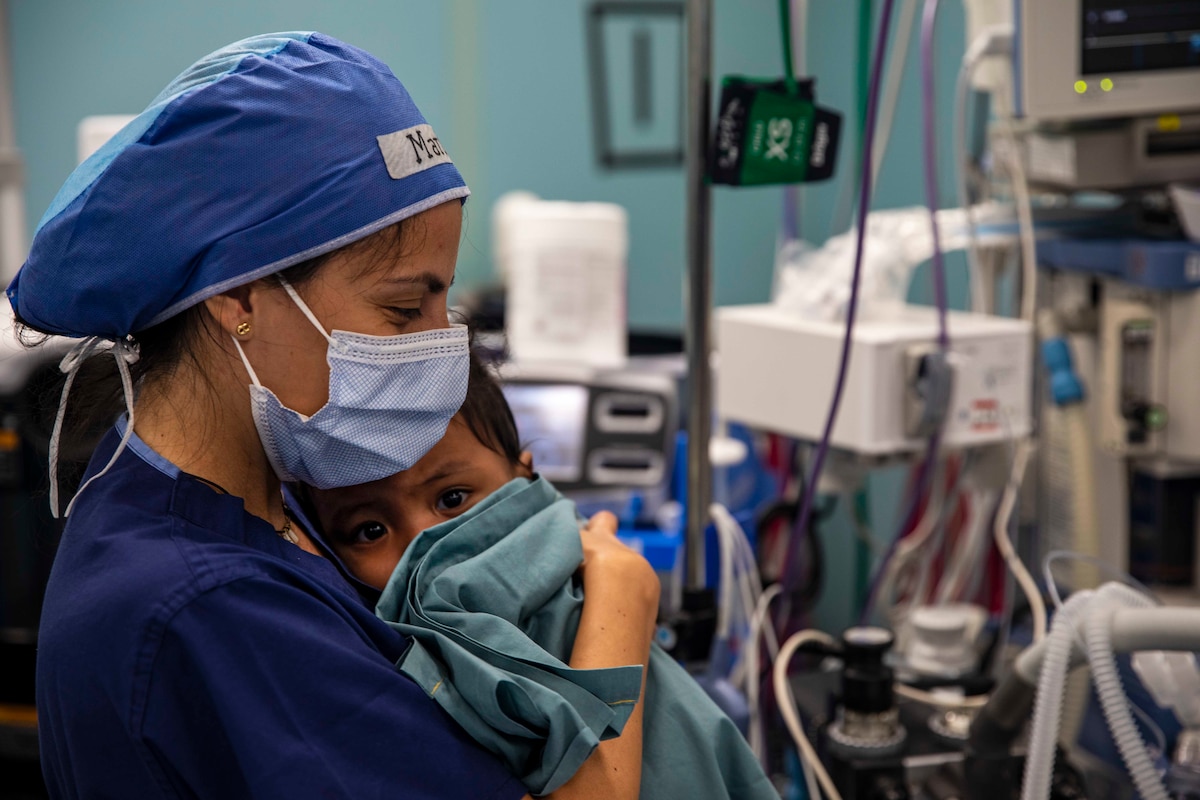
column 768, row 134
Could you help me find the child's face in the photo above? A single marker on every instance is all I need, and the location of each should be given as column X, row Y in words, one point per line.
column 369, row 526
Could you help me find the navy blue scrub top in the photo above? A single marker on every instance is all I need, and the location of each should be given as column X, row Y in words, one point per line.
column 186, row 651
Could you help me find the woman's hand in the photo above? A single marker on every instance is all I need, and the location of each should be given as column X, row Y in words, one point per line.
column 620, row 607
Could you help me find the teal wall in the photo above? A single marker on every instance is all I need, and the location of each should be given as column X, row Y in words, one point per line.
column 505, row 84
column 503, row 81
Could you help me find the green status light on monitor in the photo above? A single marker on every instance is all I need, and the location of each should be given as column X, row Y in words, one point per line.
column 1106, row 84
column 1080, row 87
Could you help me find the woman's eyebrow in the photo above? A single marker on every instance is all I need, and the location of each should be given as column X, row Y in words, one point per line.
column 431, row 282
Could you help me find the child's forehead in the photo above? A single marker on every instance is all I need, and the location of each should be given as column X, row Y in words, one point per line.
column 456, row 449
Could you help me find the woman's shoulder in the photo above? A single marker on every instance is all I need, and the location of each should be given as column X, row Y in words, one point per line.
column 145, row 554
column 197, row 642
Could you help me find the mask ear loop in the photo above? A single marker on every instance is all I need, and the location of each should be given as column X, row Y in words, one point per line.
column 287, row 287
column 246, row 362
column 125, row 354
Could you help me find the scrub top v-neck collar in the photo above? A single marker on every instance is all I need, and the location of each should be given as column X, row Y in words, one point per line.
column 197, row 500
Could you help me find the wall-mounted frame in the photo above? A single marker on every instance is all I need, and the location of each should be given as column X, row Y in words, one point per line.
column 635, row 62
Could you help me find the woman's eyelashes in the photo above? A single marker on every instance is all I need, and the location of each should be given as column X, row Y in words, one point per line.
column 406, row 313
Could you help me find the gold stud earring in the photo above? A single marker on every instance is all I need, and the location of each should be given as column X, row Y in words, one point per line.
column 243, row 328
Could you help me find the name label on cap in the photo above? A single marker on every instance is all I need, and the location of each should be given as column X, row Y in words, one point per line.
column 412, row 150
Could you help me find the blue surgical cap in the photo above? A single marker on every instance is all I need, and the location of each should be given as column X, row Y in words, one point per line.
column 266, row 153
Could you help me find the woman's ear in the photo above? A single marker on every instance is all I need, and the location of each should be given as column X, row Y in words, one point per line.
column 526, row 462
column 234, row 310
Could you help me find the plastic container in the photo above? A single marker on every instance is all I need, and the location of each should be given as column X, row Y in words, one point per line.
column 564, row 266
column 1187, row 206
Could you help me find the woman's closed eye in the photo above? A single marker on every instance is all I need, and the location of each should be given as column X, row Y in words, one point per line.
column 366, row 533
column 406, row 313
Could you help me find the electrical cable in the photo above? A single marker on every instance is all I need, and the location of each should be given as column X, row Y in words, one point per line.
column 1099, row 563
column 798, row 21
column 895, row 79
column 941, row 700
column 907, row 546
column 740, row 586
column 1024, row 203
column 995, row 40
column 963, row 174
column 725, row 583
column 758, row 627
column 785, row 25
column 844, row 200
column 939, row 276
column 787, row 705
column 962, row 96
column 1037, row 606
column 936, row 544
column 914, row 503
column 1160, row 737
column 789, row 570
column 780, row 517
column 958, row 580
column 910, row 544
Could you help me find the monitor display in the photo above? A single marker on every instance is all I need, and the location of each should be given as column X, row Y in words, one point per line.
column 1120, row 36
column 552, row 425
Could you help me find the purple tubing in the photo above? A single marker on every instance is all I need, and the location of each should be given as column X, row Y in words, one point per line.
column 928, row 112
column 791, row 570
column 928, row 108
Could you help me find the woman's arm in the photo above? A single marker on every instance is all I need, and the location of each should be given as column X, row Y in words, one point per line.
column 620, row 606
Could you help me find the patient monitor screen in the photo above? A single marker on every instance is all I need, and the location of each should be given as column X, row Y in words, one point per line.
column 1139, row 35
column 552, row 425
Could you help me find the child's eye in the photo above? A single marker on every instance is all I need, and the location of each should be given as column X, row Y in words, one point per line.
column 368, row 532
column 452, row 499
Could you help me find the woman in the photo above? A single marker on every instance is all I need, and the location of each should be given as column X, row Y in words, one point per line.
column 268, row 247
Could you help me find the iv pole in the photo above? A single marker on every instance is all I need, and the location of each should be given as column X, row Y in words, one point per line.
column 13, row 245
column 697, row 288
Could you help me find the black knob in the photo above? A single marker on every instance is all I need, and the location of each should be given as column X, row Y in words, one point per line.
column 866, row 679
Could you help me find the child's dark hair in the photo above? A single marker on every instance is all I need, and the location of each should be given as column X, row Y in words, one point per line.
column 487, row 414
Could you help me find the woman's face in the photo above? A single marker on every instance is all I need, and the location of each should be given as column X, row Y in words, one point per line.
column 361, row 290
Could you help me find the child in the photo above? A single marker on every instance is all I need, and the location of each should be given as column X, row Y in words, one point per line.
column 476, row 556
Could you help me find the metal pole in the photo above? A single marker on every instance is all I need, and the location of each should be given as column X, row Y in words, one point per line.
column 697, row 288
column 13, row 245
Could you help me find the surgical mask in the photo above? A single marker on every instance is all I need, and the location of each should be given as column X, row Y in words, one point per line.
column 390, row 400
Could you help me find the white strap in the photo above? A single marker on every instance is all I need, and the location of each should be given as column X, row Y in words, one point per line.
column 246, row 361
column 287, row 287
column 125, row 354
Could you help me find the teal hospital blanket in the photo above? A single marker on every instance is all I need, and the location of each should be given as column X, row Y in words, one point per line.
column 491, row 603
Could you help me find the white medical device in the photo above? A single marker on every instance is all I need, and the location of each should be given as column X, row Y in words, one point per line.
column 777, row 369
column 1080, row 59
column 591, row 429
